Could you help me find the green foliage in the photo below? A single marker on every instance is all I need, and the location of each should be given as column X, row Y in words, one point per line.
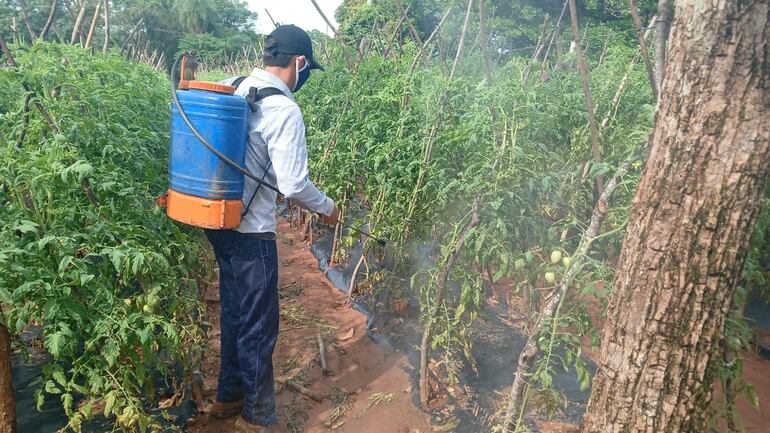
column 519, row 150
column 85, row 252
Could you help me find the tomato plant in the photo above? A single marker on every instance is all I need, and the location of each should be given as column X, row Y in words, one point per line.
column 85, row 255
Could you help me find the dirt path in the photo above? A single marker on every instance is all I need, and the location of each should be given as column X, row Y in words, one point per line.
column 369, row 389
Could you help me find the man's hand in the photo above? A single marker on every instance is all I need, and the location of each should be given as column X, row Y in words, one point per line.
column 332, row 219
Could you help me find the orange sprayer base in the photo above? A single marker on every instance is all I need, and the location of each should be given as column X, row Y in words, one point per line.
column 203, row 212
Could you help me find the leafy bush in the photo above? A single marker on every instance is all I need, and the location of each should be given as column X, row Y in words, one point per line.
column 85, row 253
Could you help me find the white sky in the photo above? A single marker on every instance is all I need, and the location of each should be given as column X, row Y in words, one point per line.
column 298, row 12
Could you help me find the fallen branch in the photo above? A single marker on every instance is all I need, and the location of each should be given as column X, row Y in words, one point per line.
column 296, row 387
column 322, row 355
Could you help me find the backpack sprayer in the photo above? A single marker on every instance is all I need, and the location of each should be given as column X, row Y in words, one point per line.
column 209, row 135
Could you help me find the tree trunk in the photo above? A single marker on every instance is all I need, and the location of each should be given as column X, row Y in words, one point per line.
column 25, row 16
column 663, row 27
column 7, row 399
column 689, row 228
column 49, row 22
column 78, row 23
column 106, row 44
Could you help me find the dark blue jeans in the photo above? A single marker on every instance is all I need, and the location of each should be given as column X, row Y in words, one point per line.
column 248, row 287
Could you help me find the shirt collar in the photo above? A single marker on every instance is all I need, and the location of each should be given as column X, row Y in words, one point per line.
column 274, row 81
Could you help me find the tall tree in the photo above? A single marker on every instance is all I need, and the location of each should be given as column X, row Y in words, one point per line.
column 690, row 223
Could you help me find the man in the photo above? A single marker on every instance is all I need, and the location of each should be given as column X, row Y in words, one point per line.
column 247, row 256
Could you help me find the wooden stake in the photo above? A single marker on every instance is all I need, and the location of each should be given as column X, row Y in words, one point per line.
column 294, row 386
column 583, row 69
column 93, row 26
column 412, row 30
column 322, row 355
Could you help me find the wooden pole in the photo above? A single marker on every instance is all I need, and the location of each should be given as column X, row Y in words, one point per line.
column 323, row 15
column 583, row 69
column 93, row 26
column 412, row 30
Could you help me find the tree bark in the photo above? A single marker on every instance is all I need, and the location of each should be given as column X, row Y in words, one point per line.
column 663, row 27
column 690, row 223
column 7, row 399
column 25, row 16
column 49, row 22
column 78, row 23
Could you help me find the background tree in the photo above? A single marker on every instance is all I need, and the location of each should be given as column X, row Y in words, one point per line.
column 690, row 224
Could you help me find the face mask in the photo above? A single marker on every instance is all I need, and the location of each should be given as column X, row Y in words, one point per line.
column 302, row 76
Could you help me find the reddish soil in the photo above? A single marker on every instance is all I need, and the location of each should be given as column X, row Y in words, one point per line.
column 369, row 389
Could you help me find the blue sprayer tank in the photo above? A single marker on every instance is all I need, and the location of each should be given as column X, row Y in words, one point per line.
column 204, row 190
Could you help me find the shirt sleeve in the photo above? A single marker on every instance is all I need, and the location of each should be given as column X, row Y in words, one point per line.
column 286, row 145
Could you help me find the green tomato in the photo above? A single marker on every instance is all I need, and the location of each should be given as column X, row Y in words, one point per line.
column 156, row 210
column 127, row 301
column 153, row 301
column 566, row 261
column 550, row 277
column 555, row 257
column 148, row 310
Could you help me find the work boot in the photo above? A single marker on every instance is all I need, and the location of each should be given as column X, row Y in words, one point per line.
column 226, row 410
column 243, row 426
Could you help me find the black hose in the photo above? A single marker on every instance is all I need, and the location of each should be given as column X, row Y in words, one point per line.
column 203, row 140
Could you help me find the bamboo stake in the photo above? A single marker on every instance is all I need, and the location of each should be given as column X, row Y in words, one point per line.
column 427, row 154
column 538, row 50
column 78, row 23
column 93, row 26
column 412, row 30
column 323, row 15
column 51, row 16
column 553, row 35
column 131, row 34
column 485, row 43
column 428, row 41
column 271, row 18
column 583, row 69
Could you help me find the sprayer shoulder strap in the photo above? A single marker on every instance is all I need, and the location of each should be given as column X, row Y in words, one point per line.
column 256, row 94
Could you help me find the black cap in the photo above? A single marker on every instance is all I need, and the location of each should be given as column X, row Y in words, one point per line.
column 292, row 40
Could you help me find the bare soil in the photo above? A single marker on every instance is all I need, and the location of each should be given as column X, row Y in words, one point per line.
column 369, row 389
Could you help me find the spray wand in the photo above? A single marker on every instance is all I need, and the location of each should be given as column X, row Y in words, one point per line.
column 230, row 162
